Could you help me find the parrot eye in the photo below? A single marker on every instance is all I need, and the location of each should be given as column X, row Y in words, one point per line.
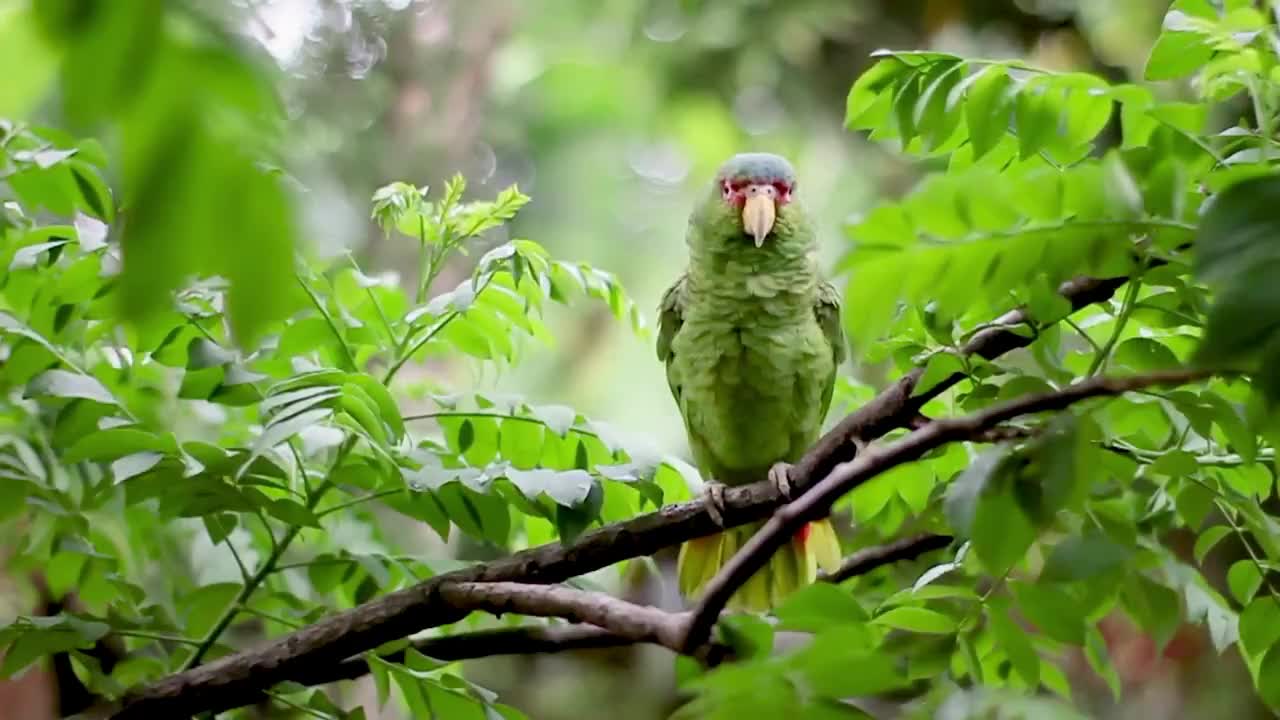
column 784, row 190
column 727, row 189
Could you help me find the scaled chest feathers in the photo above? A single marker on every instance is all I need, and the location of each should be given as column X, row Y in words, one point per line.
column 754, row 333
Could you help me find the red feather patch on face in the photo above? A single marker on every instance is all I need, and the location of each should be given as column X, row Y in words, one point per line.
column 734, row 190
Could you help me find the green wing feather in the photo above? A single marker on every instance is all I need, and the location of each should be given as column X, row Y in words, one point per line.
column 670, row 318
column 827, row 308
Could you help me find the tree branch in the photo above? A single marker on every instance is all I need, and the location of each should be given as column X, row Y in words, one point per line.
column 529, row 640
column 816, row 502
column 868, row 559
column 524, row 640
column 237, row 679
column 637, row 623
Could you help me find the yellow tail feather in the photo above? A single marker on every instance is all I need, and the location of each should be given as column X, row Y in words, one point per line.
column 791, row 568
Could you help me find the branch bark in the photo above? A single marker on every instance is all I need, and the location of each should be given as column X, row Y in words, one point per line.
column 530, row 640
column 525, row 640
column 816, row 502
column 237, row 679
column 636, row 623
column 868, row 559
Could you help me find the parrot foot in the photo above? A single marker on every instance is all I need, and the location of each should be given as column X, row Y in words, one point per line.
column 779, row 475
column 713, row 499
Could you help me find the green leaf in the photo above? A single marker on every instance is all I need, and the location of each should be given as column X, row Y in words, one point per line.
column 1244, row 579
column 31, row 638
column 67, row 384
column 988, row 107
column 1081, row 557
column 1051, row 611
column 521, row 442
column 842, row 662
column 202, row 607
column 1095, row 652
column 114, row 443
column 292, row 512
column 1241, row 439
column 1156, row 608
column 1194, row 502
column 282, row 429
column 1208, row 540
column 1001, row 531
column 22, row 46
column 1177, row 54
column 817, row 607
column 1260, row 625
column 567, row 487
column 1268, row 682
column 868, row 104
column 982, row 503
column 1236, row 253
column 1036, row 116
column 219, row 527
column 916, row 619
column 1016, row 645
column 109, row 58
column 939, row 367
column 1144, row 354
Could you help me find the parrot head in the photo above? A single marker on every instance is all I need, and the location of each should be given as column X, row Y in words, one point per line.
column 752, row 191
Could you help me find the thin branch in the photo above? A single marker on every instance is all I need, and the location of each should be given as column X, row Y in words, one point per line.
column 265, row 569
column 868, row 559
column 637, row 623
column 407, row 354
column 370, row 497
column 816, row 502
column 377, row 306
column 528, row 640
column 235, row 554
column 238, row 679
column 333, row 326
column 158, row 637
column 1101, row 357
column 999, row 434
column 280, row 698
column 1084, row 335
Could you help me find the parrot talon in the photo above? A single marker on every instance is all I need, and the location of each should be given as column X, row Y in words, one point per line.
column 713, row 500
column 780, row 476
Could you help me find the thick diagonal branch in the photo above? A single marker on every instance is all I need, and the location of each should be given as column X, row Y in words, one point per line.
column 817, row 501
column 236, row 679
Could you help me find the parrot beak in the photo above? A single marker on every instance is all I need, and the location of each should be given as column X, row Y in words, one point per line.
column 759, row 212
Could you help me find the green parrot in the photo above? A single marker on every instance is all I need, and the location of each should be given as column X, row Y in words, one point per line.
column 751, row 338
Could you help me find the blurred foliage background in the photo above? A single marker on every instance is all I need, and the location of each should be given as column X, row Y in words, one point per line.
column 610, row 114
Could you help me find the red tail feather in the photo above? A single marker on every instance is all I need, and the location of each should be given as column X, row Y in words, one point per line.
column 803, row 534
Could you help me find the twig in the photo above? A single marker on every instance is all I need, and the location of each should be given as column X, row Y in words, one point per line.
column 347, row 354
column 528, row 640
column 265, row 569
column 816, row 502
column 868, row 559
column 999, row 434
